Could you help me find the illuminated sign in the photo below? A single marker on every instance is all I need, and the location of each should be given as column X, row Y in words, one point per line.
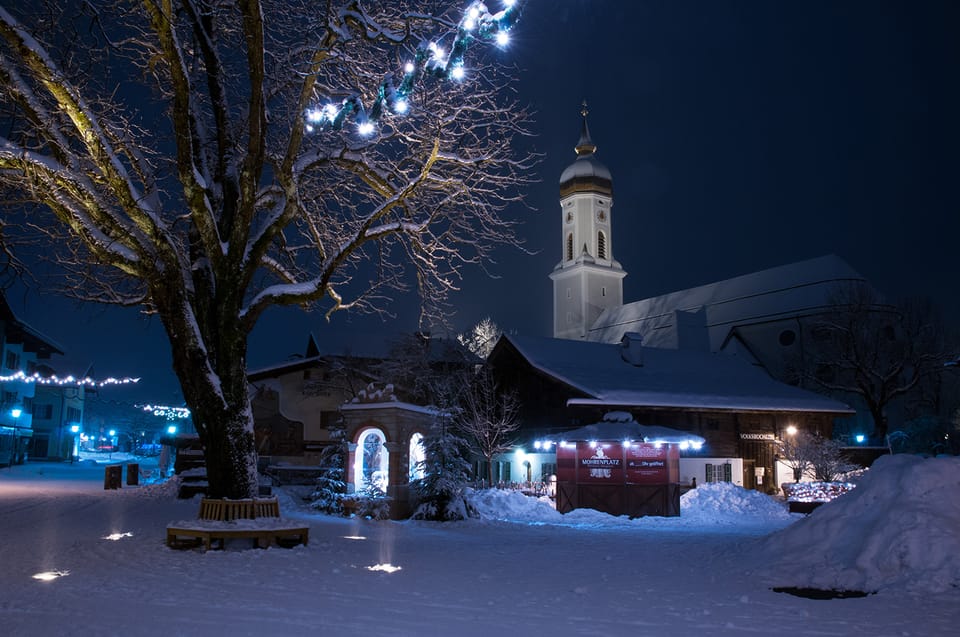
column 770, row 437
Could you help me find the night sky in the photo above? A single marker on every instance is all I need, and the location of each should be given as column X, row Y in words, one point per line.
column 740, row 135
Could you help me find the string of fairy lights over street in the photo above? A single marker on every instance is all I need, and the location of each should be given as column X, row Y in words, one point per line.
column 67, row 380
column 430, row 60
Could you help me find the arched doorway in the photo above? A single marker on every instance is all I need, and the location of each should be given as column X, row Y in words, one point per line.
column 371, row 467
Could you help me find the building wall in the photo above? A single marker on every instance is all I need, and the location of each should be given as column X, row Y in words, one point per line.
column 15, row 430
column 55, row 410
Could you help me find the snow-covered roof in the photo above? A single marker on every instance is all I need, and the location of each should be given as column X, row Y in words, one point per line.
column 375, row 346
column 613, row 428
column 390, row 404
column 586, row 171
column 585, row 166
column 19, row 332
column 666, row 378
column 791, row 290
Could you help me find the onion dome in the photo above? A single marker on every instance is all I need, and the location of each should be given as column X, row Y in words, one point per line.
column 586, row 174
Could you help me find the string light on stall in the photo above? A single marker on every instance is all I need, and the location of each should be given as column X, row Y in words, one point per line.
column 430, row 59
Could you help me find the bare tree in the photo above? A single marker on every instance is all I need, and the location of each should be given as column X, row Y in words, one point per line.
column 828, row 460
column 489, row 416
column 797, row 452
column 481, row 338
column 805, row 452
column 424, row 367
column 177, row 156
column 873, row 350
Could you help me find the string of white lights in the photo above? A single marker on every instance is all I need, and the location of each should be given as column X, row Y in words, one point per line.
column 430, row 59
column 23, row 377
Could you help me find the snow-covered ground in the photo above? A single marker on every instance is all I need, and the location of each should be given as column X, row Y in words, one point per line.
column 523, row 569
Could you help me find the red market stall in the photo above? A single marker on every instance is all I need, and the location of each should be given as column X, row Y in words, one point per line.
column 621, row 468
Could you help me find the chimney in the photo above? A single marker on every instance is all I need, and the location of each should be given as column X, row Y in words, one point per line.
column 631, row 348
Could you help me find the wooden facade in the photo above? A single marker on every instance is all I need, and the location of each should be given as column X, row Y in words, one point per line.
column 549, row 405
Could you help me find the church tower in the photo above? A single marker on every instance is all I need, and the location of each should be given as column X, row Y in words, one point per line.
column 587, row 280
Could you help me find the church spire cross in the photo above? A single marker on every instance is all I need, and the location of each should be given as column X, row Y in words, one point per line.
column 585, row 146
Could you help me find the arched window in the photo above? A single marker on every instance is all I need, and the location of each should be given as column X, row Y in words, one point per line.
column 371, row 466
column 417, row 456
column 601, row 245
column 570, row 247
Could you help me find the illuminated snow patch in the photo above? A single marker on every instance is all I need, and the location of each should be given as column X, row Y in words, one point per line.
column 386, row 568
column 117, row 536
column 48, row 576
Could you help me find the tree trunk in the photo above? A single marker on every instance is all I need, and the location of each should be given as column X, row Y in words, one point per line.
column 879, row 421
column 231, row 457
column 210, row 360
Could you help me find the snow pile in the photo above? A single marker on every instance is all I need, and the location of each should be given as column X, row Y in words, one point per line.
column 726, row 503
column 715, row 504
column 898, row 530
column 505, row 504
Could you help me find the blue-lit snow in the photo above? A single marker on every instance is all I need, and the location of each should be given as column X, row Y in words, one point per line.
column 534, row 572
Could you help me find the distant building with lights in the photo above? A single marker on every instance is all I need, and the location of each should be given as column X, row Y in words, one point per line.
column 22, row 350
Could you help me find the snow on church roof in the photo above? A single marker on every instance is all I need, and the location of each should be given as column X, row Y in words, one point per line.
column 585, row 166
column 791, row 290
column 667, row 378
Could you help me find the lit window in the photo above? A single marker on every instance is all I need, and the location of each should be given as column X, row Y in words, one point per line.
column 417, row 457
column 371, row 466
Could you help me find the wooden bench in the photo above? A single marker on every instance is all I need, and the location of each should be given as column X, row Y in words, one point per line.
column 219, row 520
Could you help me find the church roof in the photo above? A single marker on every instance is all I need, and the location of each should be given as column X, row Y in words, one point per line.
column 667, row 378
column 586, row 173
column 792, row 290
column 586, row 166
